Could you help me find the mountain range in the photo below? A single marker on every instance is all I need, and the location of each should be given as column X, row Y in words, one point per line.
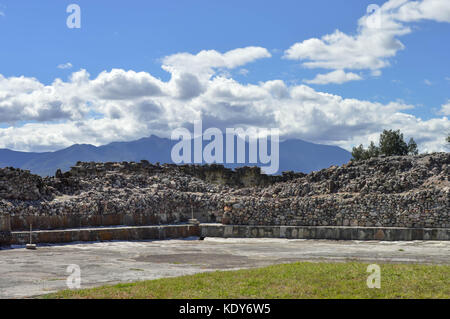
column 295, row 155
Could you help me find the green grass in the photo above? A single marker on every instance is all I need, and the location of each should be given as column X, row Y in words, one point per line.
column 297, row 280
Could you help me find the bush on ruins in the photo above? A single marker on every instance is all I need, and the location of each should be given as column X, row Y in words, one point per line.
column 391, row 144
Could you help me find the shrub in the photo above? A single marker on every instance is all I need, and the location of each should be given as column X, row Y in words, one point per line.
column 391, row 144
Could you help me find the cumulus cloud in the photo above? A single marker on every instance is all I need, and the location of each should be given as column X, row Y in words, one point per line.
column 191, row 73
column 188, row 86
column 338, row 77
column 204, row 63
column 438, row 10
column 375, row 41
column 119, row 84
column 120, row 105
column 26, row 99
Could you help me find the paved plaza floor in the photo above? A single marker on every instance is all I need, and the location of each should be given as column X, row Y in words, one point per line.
column 26, row 273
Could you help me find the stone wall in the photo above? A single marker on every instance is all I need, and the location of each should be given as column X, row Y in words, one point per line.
column 229, row 231
column 325, row 232
column 421, row 209
column 390, row 192
column 410, row 191
column 216, row 174
column 5, row 229
column 106, row 234
column 42, row 221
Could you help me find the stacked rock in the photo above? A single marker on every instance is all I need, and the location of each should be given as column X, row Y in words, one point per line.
column 408, row 191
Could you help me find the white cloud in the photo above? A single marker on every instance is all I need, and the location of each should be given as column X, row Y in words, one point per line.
column 26, row 99
column 338, row 77
column 191, row 73
column 376, row 39
column 64, row 66
column 121, row 105
column 204, row 63
column 438, row 10
column 119, row 84
column 445, row 109
column 427, row 82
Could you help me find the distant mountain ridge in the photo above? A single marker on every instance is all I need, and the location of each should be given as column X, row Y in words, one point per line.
column 295, row 155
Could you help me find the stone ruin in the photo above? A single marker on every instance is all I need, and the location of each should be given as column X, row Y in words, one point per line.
column 408, row 191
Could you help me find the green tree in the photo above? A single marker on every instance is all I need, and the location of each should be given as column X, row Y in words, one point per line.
column 359, row 153
column 412, row 147
column 392, row 143
column 373, row 150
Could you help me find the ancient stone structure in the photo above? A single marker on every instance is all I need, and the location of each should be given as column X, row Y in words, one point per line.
column 125, row 233
column 390, row 192
column 325, row 232
column 410, row 191
column 5, row 229
column 16, row 184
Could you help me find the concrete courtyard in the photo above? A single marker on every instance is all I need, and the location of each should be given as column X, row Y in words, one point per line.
column 27, row 273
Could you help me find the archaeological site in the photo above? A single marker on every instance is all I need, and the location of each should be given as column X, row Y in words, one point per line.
column 384, row 198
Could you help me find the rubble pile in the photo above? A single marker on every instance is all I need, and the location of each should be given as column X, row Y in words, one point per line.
column 407, row 191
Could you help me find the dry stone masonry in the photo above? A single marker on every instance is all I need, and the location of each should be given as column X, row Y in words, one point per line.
column 409, row 191
column 389, row 192
column 5, row 230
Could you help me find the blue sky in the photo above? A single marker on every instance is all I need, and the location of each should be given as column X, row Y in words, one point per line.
column 138, row 35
